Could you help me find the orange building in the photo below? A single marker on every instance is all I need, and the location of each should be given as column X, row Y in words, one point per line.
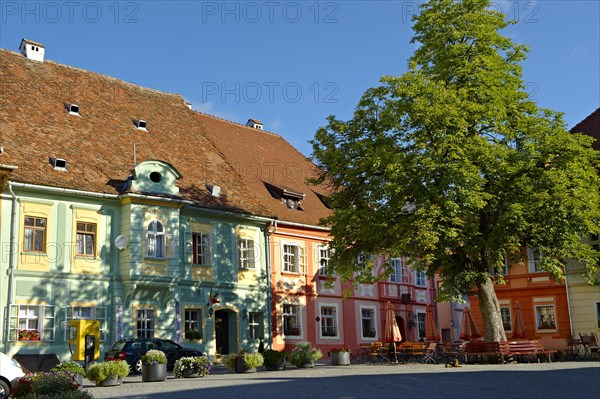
column 542, row 300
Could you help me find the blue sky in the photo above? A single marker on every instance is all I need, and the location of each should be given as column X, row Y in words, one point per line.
column 292, row 63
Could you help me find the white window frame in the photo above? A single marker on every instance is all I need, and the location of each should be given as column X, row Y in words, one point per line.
column 532, row 261
column 510, row 320
column 362, row 260
column 203, row 248
column 323, row 256
column 156, row 241
column 145, row 319
column 333, row 318
column 538, row 314
column 297, row 314
column 420, row 279
column 44, row 320
column 373, row 322
column 256, row 325
column 397, row 276
column 247, row 251
column 297, row 263
column 95, row 313
column 504, row 271
column 421, row 321
column 190, row 322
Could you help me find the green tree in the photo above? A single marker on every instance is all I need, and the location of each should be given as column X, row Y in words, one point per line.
column 453, row 166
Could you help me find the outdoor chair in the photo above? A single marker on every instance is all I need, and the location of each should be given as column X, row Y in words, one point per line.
column 430, row 354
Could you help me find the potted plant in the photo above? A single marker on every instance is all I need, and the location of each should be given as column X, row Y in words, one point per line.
column 109, row 373
column 72, row 369
column 304, row 355
column 192, row 366
column 154, row 366
column 29, row 335
column 340, row 356
column 244, row 362
column 51, row 385
column 274, row 360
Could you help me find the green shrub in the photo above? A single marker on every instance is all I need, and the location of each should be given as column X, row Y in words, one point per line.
column 304, row 353
column 199, row 364
column 251, row 360
column 63, row 395
column 154, row 356
column 52, row 384
column 98, row 372
column 273, row 357
column 70, row 366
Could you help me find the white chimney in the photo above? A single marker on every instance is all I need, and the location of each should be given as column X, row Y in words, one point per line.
column 255, row 123
column 32, row 50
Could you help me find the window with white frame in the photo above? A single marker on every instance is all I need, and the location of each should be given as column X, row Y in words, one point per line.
column 201, row 248
column 145, row 323
column 397, row 266
column 506, row 319
column 155, row 239
column 329, row 321
column 534, row 256
column 365, row 262
column 420, row 279
column 368, row 322
column 292, row 258
column 504, row 270
column 192, row 323
column 292, row 326
column 256, row 325
column 545, row 317
column 86, row 313
column 31, row 323
column 323, row 260
column 247, row 254
column 421, row 324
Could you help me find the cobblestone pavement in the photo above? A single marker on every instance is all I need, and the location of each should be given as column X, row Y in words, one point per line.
column 578, row 380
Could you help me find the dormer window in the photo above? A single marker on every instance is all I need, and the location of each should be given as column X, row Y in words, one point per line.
column 58, row 163
column 73, row 109
column 289, row 198
column 141, row 124
column 255, row 123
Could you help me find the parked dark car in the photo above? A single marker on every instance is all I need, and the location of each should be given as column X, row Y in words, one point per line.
column 131, row 350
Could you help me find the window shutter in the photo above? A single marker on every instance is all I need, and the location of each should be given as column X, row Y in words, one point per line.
column 302, row 260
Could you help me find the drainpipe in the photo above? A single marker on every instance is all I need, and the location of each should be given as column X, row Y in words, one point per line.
column 11, row 262
column 267, row 234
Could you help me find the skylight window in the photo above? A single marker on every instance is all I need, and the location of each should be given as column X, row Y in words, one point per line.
column 74, row 109
column 142, row 124
column 59, row 163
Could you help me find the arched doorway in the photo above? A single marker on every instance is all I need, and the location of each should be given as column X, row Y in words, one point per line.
column 225, row 331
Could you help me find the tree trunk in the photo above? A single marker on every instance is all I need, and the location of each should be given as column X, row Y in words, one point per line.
column 493, row 329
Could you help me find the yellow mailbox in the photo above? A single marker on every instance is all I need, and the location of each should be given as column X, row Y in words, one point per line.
column 78, row 330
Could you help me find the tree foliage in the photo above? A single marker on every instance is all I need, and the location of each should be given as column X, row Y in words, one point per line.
column 453, row 166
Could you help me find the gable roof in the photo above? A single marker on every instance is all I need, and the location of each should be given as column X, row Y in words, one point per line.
column 590, row 126
column 98, row 144
column 265, row 159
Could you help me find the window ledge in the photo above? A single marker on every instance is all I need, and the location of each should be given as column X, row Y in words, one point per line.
column 34, row 253
column 84, row 257
column 199, row 265
column 291, row 273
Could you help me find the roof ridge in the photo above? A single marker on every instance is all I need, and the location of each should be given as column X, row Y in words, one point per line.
column 112, row 78
column 236, row 123
column 584, row 119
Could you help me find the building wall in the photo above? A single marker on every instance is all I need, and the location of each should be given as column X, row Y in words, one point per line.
column 584, row 301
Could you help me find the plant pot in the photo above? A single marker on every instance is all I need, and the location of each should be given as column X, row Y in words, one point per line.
column 340, row 358
column 190, row 373
column 110, row 382
column 240, row 367
column 307, row 364
column 154, row 372
column 276, row 366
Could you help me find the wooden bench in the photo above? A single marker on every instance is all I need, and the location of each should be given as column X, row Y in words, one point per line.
column 481, row 348
column 531, row 348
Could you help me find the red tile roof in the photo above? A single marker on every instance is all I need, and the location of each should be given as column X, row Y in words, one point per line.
column 263, row 157
column 98, row 144
column 590, row 126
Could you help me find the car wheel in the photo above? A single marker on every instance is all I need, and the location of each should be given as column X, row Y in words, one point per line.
column 137, row 365
column 4, row 390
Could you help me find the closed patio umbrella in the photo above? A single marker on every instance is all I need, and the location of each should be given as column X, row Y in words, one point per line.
column 431, row 330
column 391, row 332
column 519, row 324
column 468, row 328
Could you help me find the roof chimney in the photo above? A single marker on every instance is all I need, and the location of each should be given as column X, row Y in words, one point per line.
column 255, row 123
column 32, row 50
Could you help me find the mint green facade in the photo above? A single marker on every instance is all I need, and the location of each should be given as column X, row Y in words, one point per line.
column 171, row 258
